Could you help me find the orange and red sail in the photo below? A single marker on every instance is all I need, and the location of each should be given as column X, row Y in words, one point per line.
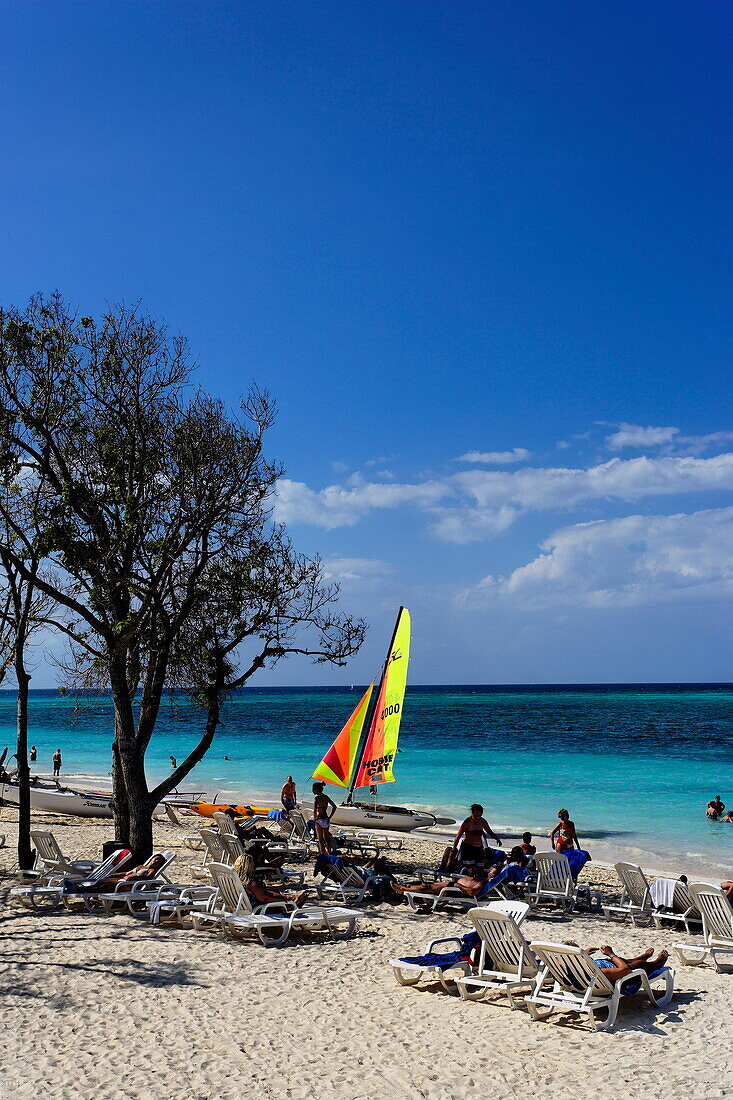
column 338, row 763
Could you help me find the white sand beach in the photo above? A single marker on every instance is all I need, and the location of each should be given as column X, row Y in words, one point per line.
column 108, row 1005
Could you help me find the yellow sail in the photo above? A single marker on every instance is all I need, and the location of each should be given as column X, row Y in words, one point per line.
column 338, row 763
column 379, row 752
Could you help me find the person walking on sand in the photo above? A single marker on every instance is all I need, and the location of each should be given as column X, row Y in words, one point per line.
column 324, row 808
column 289, row 795
column 473, row 830
column 566, row 835
column 57, row 762
column 34, row 754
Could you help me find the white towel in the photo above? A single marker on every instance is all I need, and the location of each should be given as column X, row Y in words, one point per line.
column 662, row 892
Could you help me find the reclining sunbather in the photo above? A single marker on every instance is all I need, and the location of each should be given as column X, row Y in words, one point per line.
column 615, row 966
column 471, row 884
column 259, row 892
column 144, row 871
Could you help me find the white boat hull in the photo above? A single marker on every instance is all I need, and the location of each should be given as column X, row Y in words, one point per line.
column 77, row 803
column 366, row 817
column 60, row 802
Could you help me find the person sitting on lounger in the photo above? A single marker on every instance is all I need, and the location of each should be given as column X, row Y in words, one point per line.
column 259, row 892
column 615, row 966
column 527, row 846
column 471, row 884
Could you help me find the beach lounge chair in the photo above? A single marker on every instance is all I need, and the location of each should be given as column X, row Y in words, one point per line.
column 231, row 910
column 50, row 860
column 433, row 965
column 134, row 895
column 717, row 925
column 342, row 882
column 234, row 848
column 578, row 985
column 554, row 881
column 506, row 962
column 48, row 895
column 635, row 902
column 214, row 851
column 684, row 909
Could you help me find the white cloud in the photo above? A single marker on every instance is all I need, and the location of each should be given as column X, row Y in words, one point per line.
column 636, row 560
column 479, row 504
column 355, row 569
column 343, row 506
column 633, row 435
column 495, row 458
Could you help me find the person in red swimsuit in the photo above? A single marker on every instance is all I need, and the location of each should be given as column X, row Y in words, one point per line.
column 566, row 835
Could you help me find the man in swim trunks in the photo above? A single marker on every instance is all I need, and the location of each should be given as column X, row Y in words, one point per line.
column 615, row 966
column 566, row 835
column 471, row 884
column 716, row 807
column 288, row 795
column 473, row 830
column 323, row 810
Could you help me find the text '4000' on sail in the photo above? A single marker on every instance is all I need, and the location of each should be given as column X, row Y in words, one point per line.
column 355, row 760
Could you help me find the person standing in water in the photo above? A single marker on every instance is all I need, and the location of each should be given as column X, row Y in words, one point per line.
column 34, row 754
column 566, row 835
column 324, row 808
column 716, row 807
column 289, row 795
column 57, row 762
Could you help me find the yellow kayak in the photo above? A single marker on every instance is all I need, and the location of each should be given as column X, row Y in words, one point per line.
column 208, row 809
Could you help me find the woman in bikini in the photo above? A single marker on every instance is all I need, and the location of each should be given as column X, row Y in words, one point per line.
column 566, row 835
column 323, row 810
column 259, row 892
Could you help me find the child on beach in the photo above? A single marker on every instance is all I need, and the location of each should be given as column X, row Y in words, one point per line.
column 566, row 835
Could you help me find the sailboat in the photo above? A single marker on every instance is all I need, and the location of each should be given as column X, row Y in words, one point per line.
column 356, row 759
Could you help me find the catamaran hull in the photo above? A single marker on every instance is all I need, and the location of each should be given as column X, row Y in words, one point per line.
column 362, row 816
column 59, row 802
column 75, row 803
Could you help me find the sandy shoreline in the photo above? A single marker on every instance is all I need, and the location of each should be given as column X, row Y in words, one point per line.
column 109, row 1005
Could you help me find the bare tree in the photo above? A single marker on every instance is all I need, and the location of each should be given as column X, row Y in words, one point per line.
column 155, row 514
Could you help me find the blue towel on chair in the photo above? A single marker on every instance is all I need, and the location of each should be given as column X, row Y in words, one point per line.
column 324, row 863
column 577, row 858
column 512, row 873
column 633, row 985
column 444, row 960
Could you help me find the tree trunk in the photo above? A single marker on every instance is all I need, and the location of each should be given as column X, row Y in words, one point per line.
column 25, row 852
column 119, row 800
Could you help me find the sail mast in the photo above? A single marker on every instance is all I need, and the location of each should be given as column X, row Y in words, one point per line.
column 369, row 720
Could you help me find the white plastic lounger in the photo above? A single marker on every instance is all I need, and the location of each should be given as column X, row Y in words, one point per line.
column 410, row 973
column 231, row 910
column 717, row 925
column 345, row 884
column 554, row 881
column 635, row 902
column 684, row 911
column 506, row 962
column 49, row 894
column 50, row 860
column 580, row 986
column 132, row 893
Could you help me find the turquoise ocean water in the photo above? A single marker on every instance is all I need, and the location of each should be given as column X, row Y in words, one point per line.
column 634, row 765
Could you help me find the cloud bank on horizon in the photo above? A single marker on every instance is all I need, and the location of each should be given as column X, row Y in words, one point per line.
column 622, row 531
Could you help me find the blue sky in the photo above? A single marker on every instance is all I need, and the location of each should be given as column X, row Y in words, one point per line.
column 480, row 253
